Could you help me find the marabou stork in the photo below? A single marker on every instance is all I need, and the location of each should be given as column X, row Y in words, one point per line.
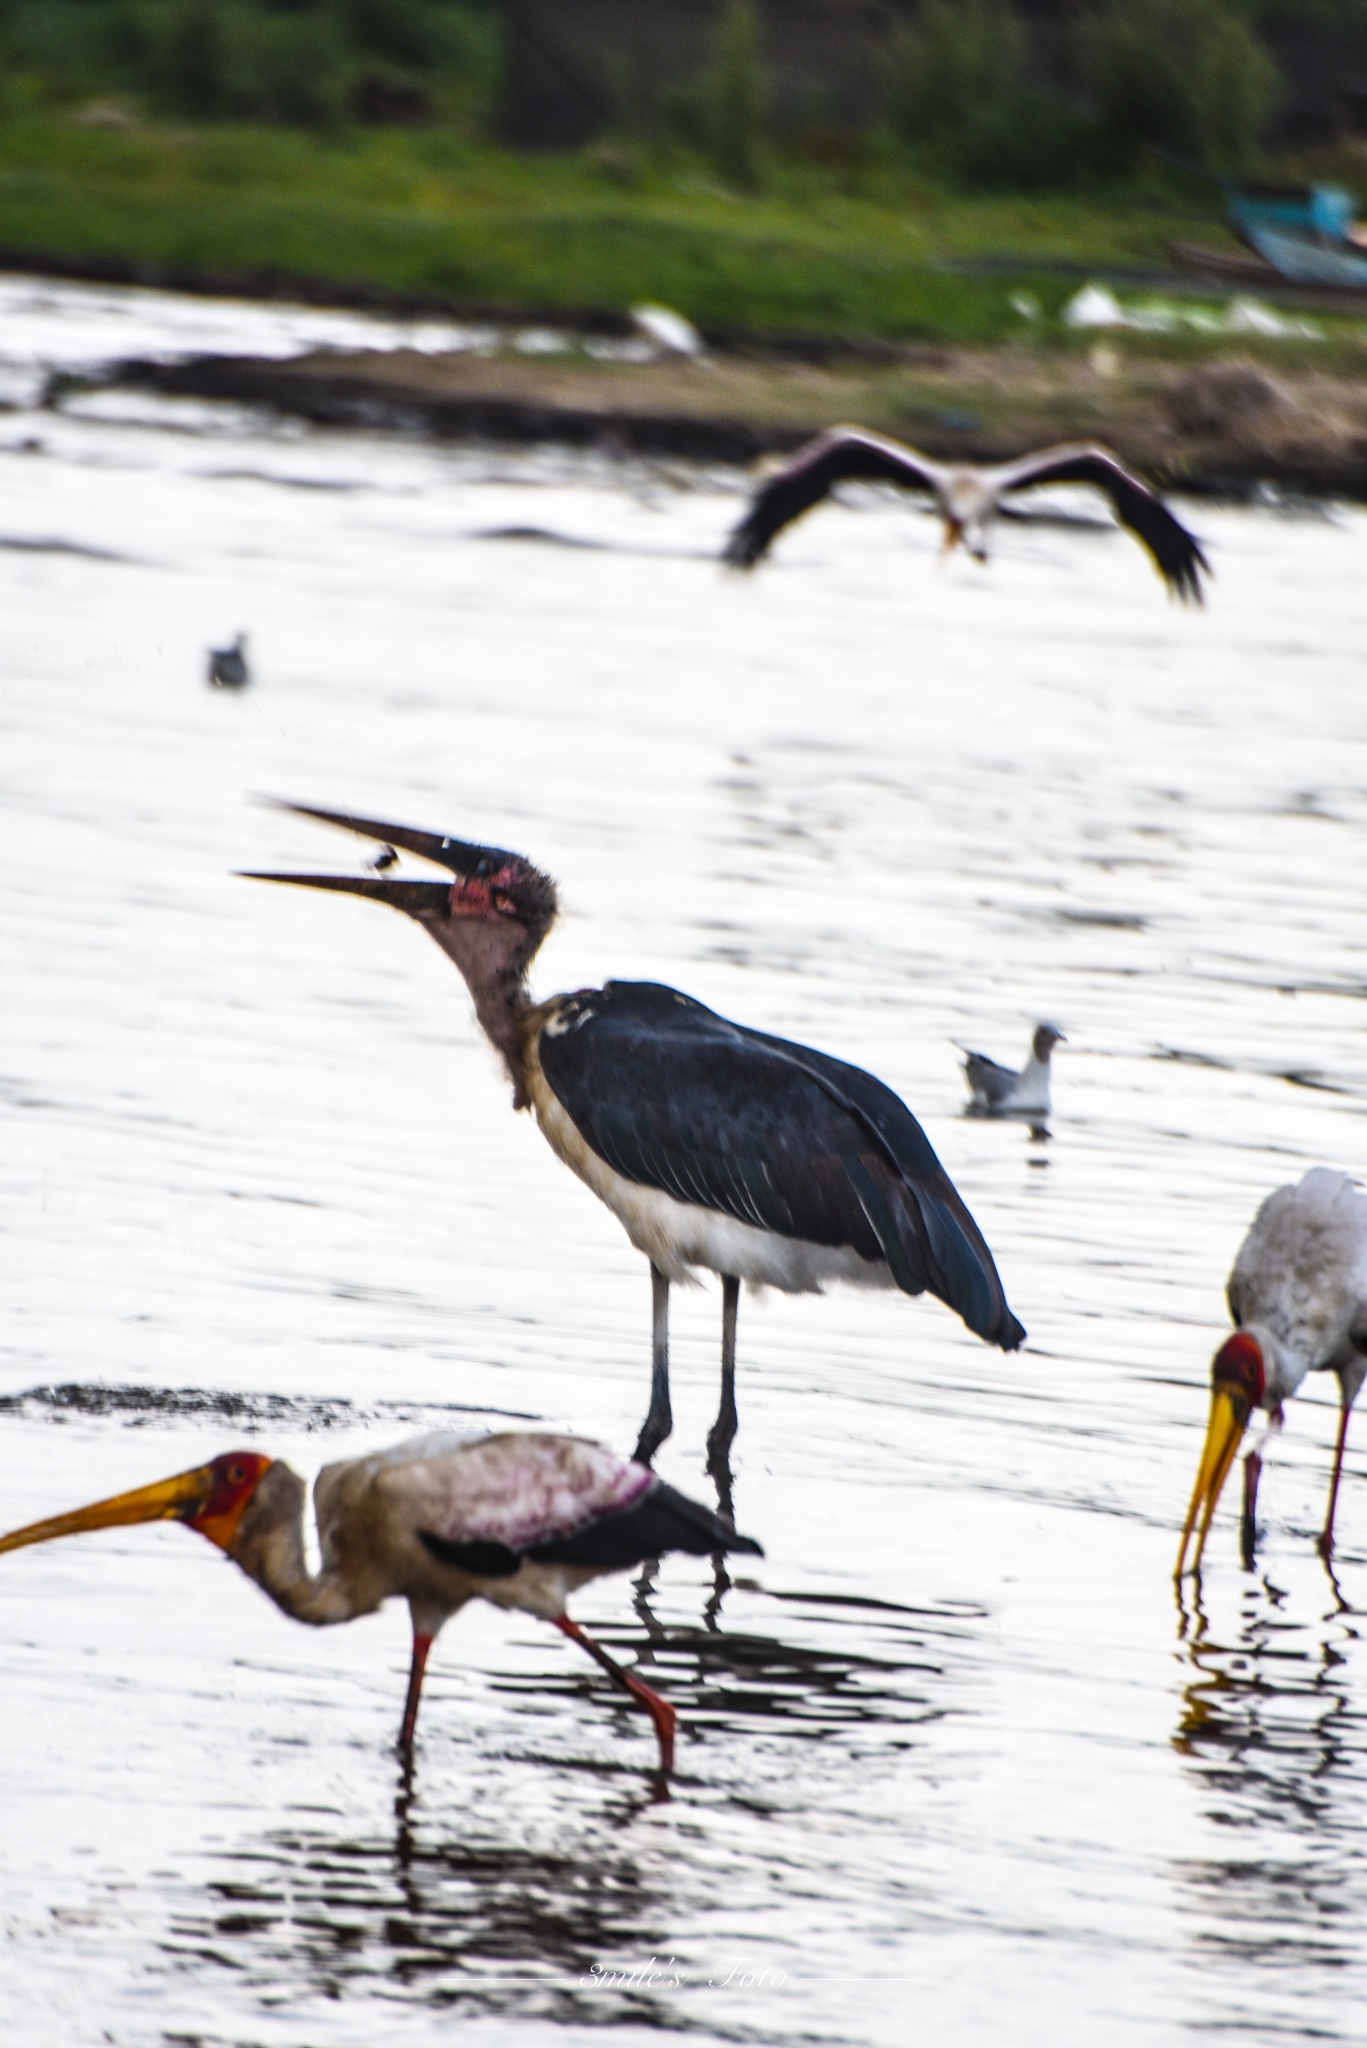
column 1000, row 1091
column 520, row 1519
column 714, row 1146
column 1298, row 1296
column 228, row 668
column 966, row 495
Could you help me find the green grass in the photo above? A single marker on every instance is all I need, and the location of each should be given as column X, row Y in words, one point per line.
column 421, row 211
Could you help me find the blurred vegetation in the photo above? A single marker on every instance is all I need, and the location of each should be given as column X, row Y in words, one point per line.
column 302, row 63
column 1189, row 76
column 735, row 94
column 352, row 143
column 960, row 95
column 426, row 211
column 1186, row 75
column 961, row 91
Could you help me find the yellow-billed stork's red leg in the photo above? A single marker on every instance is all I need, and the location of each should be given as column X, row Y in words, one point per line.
column 659, row 1710
column 422, row 1645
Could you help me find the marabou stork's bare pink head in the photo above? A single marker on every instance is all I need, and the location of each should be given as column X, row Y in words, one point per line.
column 490, row 920
column 495, row 892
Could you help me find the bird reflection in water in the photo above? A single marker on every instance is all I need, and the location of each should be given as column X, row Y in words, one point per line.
column 446, row 1916
column 1276, row 1745
column 487, row 1896
column 735, row 1681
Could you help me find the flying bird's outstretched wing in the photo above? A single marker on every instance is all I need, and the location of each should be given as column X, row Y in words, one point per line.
column 1176, row 553
column 813, row 473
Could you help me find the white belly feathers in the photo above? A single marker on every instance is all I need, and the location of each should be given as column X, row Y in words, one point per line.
column 676, row 1236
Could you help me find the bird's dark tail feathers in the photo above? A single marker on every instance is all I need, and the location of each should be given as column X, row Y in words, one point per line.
column 661, row 1521
column 930, row 1241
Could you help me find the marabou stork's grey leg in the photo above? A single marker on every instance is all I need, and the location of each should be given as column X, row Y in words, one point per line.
column 722, row 1434
column 660, row 1419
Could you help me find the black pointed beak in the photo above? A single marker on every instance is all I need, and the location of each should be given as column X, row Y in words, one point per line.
column 423, row 900
column 457, row 855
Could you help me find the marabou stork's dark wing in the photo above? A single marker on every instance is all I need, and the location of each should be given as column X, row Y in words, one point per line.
column 812, row 475
column 1176, row 553
column 662, row 1520
column 777, row 1135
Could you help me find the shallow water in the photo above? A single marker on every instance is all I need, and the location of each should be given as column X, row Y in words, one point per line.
column 952, row 1765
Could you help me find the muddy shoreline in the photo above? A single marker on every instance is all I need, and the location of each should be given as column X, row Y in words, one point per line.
column 1224, row 428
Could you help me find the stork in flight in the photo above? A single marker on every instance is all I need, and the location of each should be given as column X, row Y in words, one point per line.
column 520, row 1519
column 1298, row 1297
column 966, row 495
column 715, row 1146
column 999, row 1091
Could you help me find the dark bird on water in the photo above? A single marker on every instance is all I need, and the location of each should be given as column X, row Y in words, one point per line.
column 966, row 495
column 1000, row 1091
column 520, row 1519
column 715, row 1146
column 228, row 668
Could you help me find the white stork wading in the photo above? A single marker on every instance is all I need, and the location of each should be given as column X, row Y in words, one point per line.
column 519, row 1519
column 1298, row 1295
column 966, row 495
column 714, row 1146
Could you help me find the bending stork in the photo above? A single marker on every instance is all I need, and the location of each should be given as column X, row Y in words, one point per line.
column 713, row 1145
column 1298, row 1295
column 966, row 495
column 521, row 1520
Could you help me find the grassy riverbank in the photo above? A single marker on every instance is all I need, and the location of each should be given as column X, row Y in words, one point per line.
column 422, row 212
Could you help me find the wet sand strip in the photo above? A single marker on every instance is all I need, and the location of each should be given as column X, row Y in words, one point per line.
column 1216, row 428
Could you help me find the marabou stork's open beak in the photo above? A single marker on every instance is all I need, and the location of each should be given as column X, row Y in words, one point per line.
column 1236, row 1387
column 419, row 899
column 211, row 1499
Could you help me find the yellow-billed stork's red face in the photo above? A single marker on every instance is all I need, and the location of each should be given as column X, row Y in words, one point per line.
column 1238, row 1385
column 211, row 1498
column 234, row 1479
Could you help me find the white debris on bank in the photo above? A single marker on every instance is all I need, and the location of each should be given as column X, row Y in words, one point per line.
column 1096, row 305
column 668, row 330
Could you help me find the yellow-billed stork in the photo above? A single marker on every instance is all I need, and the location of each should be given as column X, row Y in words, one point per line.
column 1298, row 1296
column 521, row 1519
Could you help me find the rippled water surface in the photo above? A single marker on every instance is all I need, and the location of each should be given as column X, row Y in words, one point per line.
column 952, row 1766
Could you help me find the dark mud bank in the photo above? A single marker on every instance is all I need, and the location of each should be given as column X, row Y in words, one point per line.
column 1221, row 429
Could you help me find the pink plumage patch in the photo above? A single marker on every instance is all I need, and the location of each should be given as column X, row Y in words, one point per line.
column 525, row 1489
